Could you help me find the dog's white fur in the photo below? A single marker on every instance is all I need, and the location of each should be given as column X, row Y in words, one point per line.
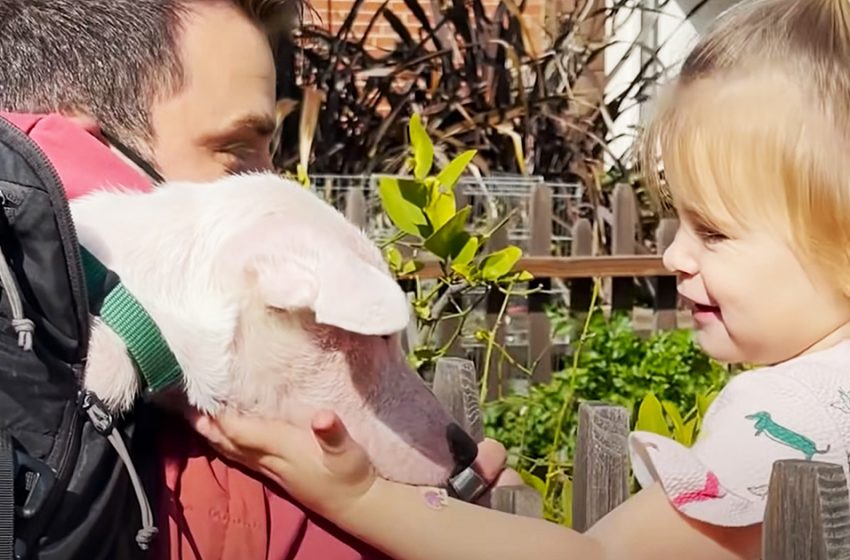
column 272, row 302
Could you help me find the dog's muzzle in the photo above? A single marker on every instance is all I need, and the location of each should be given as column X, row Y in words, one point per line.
column 464, row 484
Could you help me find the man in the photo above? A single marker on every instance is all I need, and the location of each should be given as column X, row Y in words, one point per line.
column 185, row 90
column 188, row 84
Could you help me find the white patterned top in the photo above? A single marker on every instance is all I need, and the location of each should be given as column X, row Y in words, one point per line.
column 799, row 409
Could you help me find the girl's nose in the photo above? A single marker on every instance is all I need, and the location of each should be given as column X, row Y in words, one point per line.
column 679, row 256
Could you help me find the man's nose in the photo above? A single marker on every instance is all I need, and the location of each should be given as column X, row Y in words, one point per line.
column 462, row 447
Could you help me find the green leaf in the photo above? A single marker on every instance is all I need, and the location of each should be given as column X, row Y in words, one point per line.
column 403, row 200
column 302, row 176
column 421, row 308
column 467, row 253
column 688, row 433
column 533, row 481
column 525, row 276
column 567, row 503
column 704, row 401
column 450, row 239
column 466, row 270
column 423, row 149
column 393, row 257
column 441, row 206
column 673, row 413
column 676, row 418
column 518, row 276
column 651, row 417
column 495, row 265
column 410, row 267
column 451, row 173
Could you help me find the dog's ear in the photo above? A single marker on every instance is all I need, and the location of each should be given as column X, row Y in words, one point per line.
column 322, row 275
column 340, row 288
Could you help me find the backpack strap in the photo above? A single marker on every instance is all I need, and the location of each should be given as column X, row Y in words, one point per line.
column 123, row 313
column 7, row 497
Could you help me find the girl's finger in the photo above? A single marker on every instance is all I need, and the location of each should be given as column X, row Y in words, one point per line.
column 331, row 433
column 491, row 459
column 256, row 434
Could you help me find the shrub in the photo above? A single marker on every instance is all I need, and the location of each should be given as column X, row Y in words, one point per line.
column 666, row 380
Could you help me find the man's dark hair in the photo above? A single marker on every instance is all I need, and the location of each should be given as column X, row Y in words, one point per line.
column 110, row 59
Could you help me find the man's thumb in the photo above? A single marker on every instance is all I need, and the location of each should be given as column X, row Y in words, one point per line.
column 330, row 432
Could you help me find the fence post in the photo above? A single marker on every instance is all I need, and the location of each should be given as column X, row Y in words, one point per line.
column 456, row 387
column 498, row 377
column 808, row 512
column 539, row 329
column 601, row 464
column 666, row 296
column 581, row 289
column 355, row 208
column 519, row 500
column 410, row 336
column 623, row 243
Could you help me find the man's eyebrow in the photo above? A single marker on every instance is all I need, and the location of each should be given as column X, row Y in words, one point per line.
column 256, row 125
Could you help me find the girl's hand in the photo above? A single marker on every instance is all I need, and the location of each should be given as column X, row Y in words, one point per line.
column 325, row 470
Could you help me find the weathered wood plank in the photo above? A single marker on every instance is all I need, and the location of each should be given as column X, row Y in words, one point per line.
column 539, row 328
column 623, row 243
column 581, row 287
column 456, row 387
column 356, row 209
column 666, row 294
column 499, row 369
column 410, row 336
column 576, row 267
column 601, row 475
column 519, row 500
column 808, row 512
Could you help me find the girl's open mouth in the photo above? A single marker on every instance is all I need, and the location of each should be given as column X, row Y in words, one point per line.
column 705, row 313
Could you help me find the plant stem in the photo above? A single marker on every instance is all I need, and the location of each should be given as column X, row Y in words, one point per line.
column 445, row 299
column 394, row 239
column 491, row 338
column 562, row 413
column 511, row 360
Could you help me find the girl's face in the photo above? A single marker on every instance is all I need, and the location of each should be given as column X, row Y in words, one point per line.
column 753, row 300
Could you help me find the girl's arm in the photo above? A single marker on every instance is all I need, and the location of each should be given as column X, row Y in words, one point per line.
column 397, row 519
column 331, row 475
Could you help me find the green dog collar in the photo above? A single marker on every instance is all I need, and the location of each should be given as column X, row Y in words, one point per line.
column 122, row 312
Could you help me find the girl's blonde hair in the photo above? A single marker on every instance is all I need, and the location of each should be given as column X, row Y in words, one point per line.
column 756, row 129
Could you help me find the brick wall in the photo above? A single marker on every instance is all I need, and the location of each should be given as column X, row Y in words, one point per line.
column 331, row 13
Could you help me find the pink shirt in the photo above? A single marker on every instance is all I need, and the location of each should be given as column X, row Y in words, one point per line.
column 215, row 510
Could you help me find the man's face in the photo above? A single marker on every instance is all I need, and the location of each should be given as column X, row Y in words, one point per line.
column 222, row 120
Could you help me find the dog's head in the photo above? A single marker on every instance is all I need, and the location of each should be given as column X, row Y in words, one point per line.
column 272, row 303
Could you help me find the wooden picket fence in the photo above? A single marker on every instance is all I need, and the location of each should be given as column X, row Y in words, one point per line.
column 808, row 507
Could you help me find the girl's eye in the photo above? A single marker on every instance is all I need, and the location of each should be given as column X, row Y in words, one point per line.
column 709, row 235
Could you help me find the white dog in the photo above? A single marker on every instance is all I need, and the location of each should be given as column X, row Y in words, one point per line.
column 271, row 302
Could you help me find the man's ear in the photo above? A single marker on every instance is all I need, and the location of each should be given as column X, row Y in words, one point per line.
column 341, row 289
